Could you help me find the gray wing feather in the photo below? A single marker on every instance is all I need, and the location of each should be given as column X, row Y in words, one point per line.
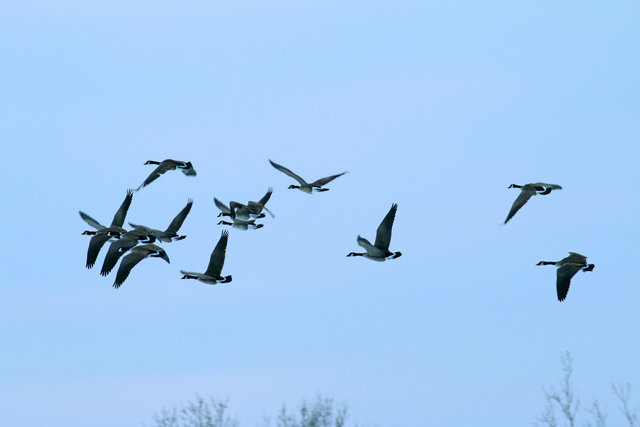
column 288, row 172
column 164, row 166
column 520, row 201
column 383, row 234
column 118, row 218
column 96, row 243
column 266, row 197
column 224, row 208
column 564, row 275
column 91, row 221
column 128, row 262
column 322, row 181
column 179, row 219
column 217, row 256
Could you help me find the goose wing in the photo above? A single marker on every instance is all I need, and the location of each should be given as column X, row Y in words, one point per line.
column 288, row 172
column 564, row 275
column 224, row 208
column 322, row 181
column 383, row 234
column 263, row 201
column 116, row 249
column 128, row 262
column 95, row 244
column 366, row 244
column 575, row 257
column 179, row 219
column 121, row 213
column 523, row 197
column 217, row 256
column 164, row 166
column 91, row 221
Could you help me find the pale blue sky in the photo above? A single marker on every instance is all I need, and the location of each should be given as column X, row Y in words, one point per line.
column 435, row 106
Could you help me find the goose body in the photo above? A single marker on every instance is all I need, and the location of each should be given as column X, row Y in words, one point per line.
column 134, row 256
column 567, row 268
column 103, row 233
column 167, row 165
column 213, row 275
column 170, row 234
column 526, row 192
column 315, row 186
column 379, row 251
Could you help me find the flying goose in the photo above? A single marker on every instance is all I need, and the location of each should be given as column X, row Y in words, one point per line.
column 526, row 192
column 104, row 234
column 128, row 240
column 136, row 255
column 234, row 210
column 252, row 210
column 304, row 186
column 380, row 250
column 167, row 165
column 171, row 233
column 567, row 268
column 213, row 274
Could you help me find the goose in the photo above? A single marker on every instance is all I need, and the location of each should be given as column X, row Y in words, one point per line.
column 171, row 232
column 234, row 210
column 128, row 240
column 102, row 233
column 315, row 186
column 242, row 224
column 252, row 210
column 380, row 250
column 526, row 192
column 167, row 165
column 136, row 255
column 567, row 268
column 213, row 274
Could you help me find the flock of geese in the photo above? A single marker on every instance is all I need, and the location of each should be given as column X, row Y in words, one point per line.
column 139, row 244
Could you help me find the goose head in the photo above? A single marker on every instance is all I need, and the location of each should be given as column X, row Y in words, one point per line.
column 151, row 162
column 515, row 186
column 294, row 186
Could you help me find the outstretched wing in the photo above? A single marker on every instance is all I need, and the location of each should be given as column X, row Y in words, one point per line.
column 116, row 249
column 564, row 275
column 266, row 197
column 96, row 243
column 121, row 213
column 92, row 222
column 179, row 219
column 128, row 262
column 322, row 181
column 224, row 208
column 522, row 198
column 164, row 166
column 217, row 256
column 383, row 234
column 288, row 172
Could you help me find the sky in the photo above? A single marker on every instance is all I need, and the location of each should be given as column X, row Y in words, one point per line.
column 436, row 106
